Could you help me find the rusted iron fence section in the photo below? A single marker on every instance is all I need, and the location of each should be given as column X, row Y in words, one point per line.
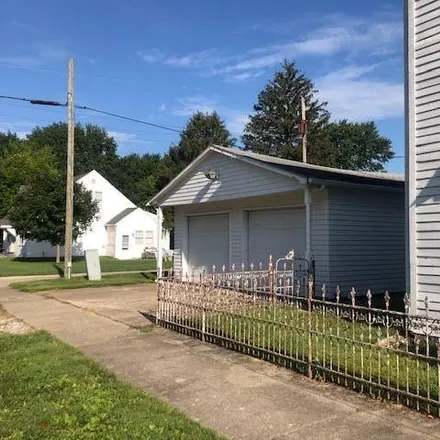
column 386, row 354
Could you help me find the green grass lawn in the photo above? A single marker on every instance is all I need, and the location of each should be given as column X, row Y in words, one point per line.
column 80, row 282
column 340, row 345
column 49, row 390
column 43, row 266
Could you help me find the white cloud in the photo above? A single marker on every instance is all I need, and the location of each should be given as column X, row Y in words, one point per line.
column 191, row 104
column 162, row 108
column 152, row 56
column 366, row 39
column 41, row 53
column 236, row 122
column 353, row 95
column 235, row 119
column 354, row 38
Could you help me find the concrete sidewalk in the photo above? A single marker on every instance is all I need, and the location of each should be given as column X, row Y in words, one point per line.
column 240, row 397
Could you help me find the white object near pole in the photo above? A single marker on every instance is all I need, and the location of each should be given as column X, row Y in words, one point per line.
column 159, row 241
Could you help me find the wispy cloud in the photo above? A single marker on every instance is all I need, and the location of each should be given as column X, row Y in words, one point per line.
column 188, row 105
column 354, row 39
column 40, row 54
column 162, row 108
column 355, row 95
column 235, row 119
column 200, row 59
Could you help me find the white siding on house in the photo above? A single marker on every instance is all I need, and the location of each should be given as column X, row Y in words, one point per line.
column 366, row 240
column 138, row 221
column 111, row 202
column 236, row 180
column 423, row 150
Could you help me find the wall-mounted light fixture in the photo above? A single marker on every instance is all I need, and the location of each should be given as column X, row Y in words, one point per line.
column 211, row 175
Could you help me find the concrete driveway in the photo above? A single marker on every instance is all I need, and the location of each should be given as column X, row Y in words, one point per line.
column 239, row 396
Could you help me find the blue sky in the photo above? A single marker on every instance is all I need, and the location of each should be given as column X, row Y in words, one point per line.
column 162, row 60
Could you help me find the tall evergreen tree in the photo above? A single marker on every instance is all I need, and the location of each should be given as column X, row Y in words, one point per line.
column 273, row 127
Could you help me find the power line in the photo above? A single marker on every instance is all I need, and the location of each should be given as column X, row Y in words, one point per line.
column 127, row 118
column 91, row 109
column 34, row 101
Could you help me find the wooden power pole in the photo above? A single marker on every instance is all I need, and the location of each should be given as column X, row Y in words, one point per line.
column 304, row 129
column 70, row 177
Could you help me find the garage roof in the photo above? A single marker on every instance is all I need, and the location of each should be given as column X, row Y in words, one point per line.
column 312, row 173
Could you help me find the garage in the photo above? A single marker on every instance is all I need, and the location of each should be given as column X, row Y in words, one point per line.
column 275, row 232
column 208, row 241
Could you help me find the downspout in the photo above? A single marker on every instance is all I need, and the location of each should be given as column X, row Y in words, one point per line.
column 308, row 205
column 159, row 256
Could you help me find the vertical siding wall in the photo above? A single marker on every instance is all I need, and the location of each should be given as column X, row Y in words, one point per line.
column 320, row 236
column 366, row 240
column 423, row 150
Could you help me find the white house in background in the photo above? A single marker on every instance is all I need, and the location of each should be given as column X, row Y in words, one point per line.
column 234, row 207
column 423, row 153
column 120, row 229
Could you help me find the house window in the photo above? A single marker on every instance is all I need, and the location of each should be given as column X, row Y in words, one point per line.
column 97, row 195
column 139, row 238
column 125, row 241
column 149, row 238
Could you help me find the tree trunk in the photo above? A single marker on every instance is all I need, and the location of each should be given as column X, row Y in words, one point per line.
column 58, row 259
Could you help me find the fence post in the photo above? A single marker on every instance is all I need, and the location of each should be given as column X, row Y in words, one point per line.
column 309, row 342
column 271, row 279
column 159, row 303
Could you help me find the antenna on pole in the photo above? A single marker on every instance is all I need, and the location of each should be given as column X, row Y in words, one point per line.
column 302, row 128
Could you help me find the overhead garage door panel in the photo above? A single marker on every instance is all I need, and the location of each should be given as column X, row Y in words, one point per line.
column 208, row 239
column 276, row 232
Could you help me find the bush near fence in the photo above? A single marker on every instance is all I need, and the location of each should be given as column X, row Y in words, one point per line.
column 386, row 354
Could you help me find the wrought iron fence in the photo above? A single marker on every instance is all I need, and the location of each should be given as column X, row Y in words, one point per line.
column 386, row 354
column 287, row 276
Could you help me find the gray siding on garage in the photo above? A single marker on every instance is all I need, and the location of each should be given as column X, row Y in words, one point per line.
column 238, row 210
column 423, row 151
column 320, row 236
column 237, row 179
column 366, row 240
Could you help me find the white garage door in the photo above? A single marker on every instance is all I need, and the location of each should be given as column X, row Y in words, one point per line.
column 276, row 232
column 208, row 241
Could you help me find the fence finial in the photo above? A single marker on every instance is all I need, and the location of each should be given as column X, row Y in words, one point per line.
column 406, row 302
column 387, row 299
column 369, row 297
column 353, row 296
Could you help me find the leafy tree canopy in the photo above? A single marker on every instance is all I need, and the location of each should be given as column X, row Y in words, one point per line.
column 94, row 147
column 39, row 209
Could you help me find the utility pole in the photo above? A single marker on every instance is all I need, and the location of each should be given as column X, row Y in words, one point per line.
column 303, row 130
column 69, row 183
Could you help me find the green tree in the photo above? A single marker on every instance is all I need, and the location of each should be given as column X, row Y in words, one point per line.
column 201, row 131
column 18, row 166
column 6, row 141
column 136, row 176
column 39, row 209
column 273, row 127
column 354, row 146
column 94, row 147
